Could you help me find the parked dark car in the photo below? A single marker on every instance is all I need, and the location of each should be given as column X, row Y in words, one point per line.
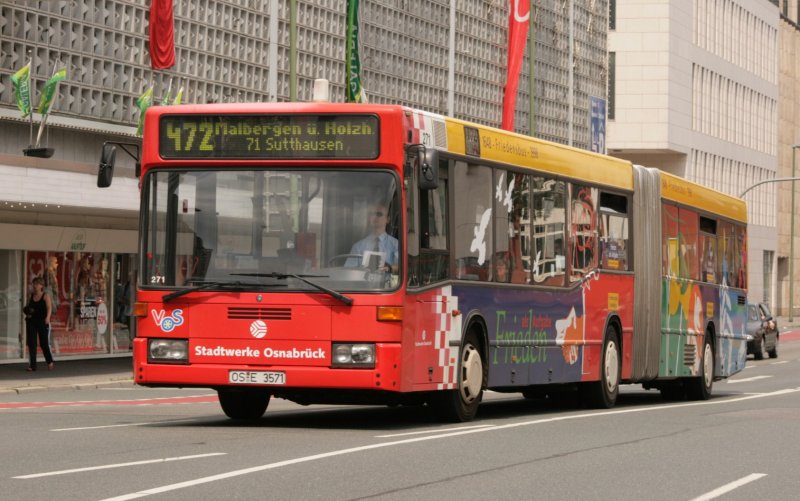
column 762, row 331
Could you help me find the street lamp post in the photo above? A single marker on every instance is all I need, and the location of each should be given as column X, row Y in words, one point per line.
column 791, row 224
column 791, row 236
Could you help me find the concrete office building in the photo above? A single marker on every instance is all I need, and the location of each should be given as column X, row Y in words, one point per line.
column 446, row 56
column 694, row 91
column 788, row 138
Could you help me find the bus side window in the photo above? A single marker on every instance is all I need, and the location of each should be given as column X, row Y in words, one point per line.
column 669, row 241
column 548, row 251
column 582, row 232
column 708, row 250
column 613, row 232
column 511, row 261
column 473, row 196
column 726, row 245
column 689, row 253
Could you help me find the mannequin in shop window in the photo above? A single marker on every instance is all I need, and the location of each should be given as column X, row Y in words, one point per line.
column 100, row 278
column 51, row 281
column 85, row 279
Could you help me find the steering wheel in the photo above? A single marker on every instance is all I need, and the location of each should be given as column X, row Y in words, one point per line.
column 344, row 258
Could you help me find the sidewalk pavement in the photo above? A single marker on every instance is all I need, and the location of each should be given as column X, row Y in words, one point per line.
column 785, row 324
column 67, row 374
column 118, row 371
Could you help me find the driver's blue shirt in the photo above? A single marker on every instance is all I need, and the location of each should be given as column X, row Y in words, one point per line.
column 387, row 245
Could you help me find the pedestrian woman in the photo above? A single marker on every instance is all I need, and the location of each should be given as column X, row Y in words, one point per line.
column 37, row 315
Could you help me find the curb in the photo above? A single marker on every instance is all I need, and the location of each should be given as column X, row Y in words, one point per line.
column 91, row 385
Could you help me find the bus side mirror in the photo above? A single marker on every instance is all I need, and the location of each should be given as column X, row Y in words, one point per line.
column 428, row 169
column 105, row 171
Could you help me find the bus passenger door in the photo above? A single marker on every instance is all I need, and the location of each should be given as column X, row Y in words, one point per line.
column 427, row 346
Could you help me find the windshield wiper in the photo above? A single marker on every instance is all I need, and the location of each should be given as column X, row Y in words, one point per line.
column 210, row 285
column 283, row 276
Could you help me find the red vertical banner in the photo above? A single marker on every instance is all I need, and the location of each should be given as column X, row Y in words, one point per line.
column 162, row 34
column 518, row 18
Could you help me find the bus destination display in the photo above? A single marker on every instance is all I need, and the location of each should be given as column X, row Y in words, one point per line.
column 269, row 136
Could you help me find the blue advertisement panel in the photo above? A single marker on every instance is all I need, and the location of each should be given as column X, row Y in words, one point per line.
column 597, row 125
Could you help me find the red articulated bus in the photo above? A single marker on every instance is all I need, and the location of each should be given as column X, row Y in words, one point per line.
column 358, row 253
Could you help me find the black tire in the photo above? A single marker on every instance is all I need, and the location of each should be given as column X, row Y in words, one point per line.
column 699, row 388
column 461, row 404
column 243, row 403
column 773, row 353
column 758, row 353
column 603, row 394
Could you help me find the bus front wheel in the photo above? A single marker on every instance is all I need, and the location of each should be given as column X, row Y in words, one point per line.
column 243, row 403
column 462, row 404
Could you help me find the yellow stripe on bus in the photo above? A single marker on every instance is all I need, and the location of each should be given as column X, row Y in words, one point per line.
column 515, row 149
column 694, row 195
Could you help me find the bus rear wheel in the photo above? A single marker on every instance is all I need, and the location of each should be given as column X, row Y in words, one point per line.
column 699, row 388
column 462, row 404
column 243, row 403
column 603, row 393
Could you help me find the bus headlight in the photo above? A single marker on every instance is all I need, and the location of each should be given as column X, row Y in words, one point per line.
column 168, row 350
column 354, row 355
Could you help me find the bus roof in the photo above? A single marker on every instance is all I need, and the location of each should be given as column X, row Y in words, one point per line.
column 685, row 192
column 508, row 147
column 484, row 142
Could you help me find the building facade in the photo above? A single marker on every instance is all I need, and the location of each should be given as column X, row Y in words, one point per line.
column 789, row 158
column 445, row 56
column 696, row 94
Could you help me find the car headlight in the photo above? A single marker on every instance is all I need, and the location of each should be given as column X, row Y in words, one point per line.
column 361, row 355
column 168, row 350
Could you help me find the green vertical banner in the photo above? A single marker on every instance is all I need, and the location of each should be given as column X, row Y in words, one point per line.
column 21, row 81
column 354, row 93
column 178, row 97
column 143, row 102
column 166, row 99
column 49, row 91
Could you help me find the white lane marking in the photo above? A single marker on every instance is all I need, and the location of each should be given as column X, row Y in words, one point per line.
column 440, row 430
column 122, row 425
column 324, row 455
column 747, row 379
column 779, row 363
column 729, row 487
column 118, row 465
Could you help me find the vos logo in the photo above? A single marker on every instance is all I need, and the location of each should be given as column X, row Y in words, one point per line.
column 167, row 323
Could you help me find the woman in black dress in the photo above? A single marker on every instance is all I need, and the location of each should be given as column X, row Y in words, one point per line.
column 37, row 315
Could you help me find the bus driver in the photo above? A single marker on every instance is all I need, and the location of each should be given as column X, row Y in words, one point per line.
column 379, row 242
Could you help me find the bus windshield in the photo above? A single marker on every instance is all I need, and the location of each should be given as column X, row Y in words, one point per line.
column 339, row 230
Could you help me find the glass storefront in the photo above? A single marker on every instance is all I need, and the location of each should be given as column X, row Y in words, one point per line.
column 91, row 294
